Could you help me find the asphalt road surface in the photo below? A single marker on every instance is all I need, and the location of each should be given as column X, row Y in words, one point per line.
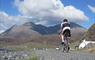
column 59, row 55
column 46, row 54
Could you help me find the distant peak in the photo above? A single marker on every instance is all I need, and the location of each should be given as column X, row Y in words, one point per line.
column 28, row 23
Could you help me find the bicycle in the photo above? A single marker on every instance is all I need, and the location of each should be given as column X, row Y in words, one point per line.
column 66, row 44
column 65, row 47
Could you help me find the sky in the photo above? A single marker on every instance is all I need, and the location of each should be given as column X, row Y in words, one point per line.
column 46, row 12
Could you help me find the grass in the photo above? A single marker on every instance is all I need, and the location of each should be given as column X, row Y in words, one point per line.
column 33, row 58
column 91, row 50
column 26, row 46
column 72, row 45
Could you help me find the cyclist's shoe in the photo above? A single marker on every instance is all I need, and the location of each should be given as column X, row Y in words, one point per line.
column 62, row 43
column 68, row 48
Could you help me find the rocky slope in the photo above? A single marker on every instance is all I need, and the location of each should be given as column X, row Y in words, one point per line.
column 90, row 34
column 30, row 32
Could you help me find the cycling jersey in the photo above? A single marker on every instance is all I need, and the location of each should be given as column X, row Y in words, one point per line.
column 65, row 26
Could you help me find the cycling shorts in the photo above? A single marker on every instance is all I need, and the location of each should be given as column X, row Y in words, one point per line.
column 66, row 32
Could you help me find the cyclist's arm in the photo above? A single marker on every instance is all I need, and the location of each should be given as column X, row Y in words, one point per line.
column 61, row 28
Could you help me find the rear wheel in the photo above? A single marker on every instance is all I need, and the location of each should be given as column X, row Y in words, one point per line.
column 66, row 47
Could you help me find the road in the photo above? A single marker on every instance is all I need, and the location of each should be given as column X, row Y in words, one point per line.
column 58, row 55
column 46, row 54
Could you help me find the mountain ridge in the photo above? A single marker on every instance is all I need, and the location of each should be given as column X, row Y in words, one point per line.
column 30, row 32
column 51, row 29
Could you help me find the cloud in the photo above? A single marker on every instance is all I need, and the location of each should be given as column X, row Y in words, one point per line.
column 7, row 21
column 49, row 12
column 72, row 13
column 1, row 31
column 92, row 8
column 45, row 12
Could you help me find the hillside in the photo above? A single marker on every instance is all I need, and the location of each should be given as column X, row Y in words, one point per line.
column 90, row 34
column 18, row 35
column 30, row 32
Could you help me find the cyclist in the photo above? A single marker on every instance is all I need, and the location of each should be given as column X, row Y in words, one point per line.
column 65, row 30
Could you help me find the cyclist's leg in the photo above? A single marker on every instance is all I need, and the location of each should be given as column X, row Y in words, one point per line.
column 62, row 37
column 69, row 36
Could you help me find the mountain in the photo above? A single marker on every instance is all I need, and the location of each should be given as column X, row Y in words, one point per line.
column 49, row 30
column 18, row 34
column 39, row 28
column 90, row 34
column 30, row 32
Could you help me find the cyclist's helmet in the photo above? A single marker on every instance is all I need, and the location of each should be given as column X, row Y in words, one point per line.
column 65, row 20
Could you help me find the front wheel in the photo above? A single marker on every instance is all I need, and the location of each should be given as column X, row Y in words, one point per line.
column 67, row 49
